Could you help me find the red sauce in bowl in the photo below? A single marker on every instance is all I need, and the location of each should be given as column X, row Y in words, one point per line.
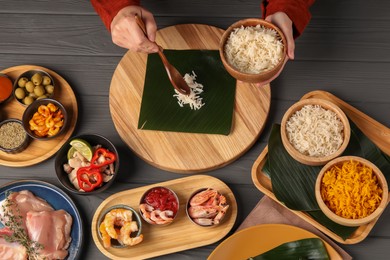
column 162, row 199
column 5, row 88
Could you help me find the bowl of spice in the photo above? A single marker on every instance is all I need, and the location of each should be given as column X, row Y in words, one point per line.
column 315, row 131
column 253, row 50
column 159, row 206
column 13, row 137
column 351, row 191
column 5, row 88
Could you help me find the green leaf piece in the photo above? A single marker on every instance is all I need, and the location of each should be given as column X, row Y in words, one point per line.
column 292, row 182
column 308, row 248
column 160, row 110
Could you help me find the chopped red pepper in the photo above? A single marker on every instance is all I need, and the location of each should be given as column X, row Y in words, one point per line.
column 108, row 156
column 89, row 178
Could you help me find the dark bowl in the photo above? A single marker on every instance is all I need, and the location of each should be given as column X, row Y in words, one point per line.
column 62, row 158
column 30, row 111
column 8, row 81
column 136, row 217
column 28, row 74
column 23, row 145
column 159, row 189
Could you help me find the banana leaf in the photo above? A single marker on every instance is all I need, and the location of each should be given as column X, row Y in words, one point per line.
column 160, row 110
column 309, row 248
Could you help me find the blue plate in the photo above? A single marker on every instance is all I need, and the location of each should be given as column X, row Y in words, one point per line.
column 58, row 200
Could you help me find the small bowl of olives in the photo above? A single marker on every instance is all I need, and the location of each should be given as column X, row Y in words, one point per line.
column 33, row 85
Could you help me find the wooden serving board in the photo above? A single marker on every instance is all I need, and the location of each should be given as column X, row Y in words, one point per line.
column 375, row 131
column 182, row 234
column 184, row 152
column 38, row 151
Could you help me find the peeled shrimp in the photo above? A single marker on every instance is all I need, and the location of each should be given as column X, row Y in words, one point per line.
column 116, row 217
column 105, row 237
column 125, row 232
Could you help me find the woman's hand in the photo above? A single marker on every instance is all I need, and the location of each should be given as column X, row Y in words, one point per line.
column 126, row 33
column 282, row 20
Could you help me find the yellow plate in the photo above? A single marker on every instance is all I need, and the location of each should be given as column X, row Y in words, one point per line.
column 258, row 239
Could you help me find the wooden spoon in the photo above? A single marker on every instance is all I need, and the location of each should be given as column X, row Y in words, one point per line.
column 173, row 74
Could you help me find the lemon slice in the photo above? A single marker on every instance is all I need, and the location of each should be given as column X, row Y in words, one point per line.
column 82, row 147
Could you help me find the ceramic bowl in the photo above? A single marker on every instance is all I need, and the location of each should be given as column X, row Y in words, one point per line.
column 135, row 217
column 304, row 158
column 33, row 108
column 22, row 145
column 159, row 206
column 346, row 221
column 62, row 159
column 263, row 77
column 31, row 91
column 5, row 88
column 205, row 197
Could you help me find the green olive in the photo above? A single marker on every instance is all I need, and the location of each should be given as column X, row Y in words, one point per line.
column 49, row 89
column 19, row 93
column 32, row 94
column 28, row 100
column 36, row 79
column 30, row 86
column 22, row 82
column 46, row 80
column 39, row 90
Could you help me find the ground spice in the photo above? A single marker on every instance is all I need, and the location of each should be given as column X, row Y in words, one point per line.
column 5, row 88
column 12, row 135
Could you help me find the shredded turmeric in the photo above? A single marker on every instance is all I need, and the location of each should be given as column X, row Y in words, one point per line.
column 351, row 190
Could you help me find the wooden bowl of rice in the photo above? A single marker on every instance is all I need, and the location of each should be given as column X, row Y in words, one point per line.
column 315, row 131
column 351, row 191
column 253, row 50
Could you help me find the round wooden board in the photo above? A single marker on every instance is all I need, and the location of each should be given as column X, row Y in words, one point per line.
column 38, row 151
column 184, row 152
column 182, row 234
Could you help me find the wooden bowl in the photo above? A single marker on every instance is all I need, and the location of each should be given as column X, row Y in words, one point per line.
column 307, row 159
column 263, row 77
column 345, row 221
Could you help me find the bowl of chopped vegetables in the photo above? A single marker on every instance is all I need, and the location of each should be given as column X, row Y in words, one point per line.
column 87, row 164
column 351, row 191
column 315, row 131
column 13, row 137
column 253, row 50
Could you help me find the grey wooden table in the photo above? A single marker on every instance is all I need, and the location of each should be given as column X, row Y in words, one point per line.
column 345, row 50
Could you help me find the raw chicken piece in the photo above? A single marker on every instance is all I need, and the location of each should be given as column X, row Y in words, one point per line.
column 25, row 201
column 52, row 230
column 12, row 251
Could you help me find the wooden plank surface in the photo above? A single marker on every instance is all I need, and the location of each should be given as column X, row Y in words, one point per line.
column 185, row 152
column 344, row 50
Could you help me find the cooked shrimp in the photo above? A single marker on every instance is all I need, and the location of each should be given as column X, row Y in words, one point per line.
column 166, row 215
column 203, row 197
column 116, row 217
column 105, row 237
column 125, row 234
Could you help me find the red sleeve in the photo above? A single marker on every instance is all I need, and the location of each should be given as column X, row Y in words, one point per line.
column 108, row 9
column 297, row 10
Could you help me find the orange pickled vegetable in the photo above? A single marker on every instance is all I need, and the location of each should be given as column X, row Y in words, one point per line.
column 5, row 88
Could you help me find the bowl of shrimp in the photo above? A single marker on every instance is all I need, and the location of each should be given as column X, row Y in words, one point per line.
column 159, row 206
column 206, row 207
column 120, row 226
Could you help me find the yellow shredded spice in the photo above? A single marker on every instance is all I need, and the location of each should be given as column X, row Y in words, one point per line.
column 351, row 190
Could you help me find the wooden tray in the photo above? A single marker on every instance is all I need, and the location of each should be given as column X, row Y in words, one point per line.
column 39, row 151
column 182, row 234
column 377, row 132
column 184, row 152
